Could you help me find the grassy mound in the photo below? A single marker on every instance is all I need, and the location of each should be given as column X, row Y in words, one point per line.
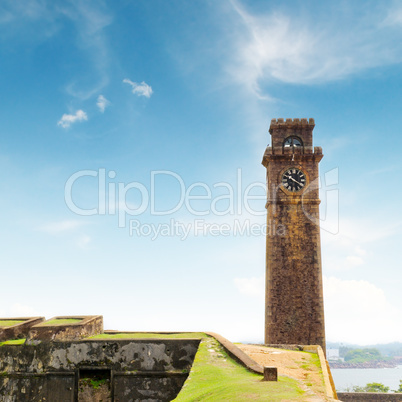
column 216, row 377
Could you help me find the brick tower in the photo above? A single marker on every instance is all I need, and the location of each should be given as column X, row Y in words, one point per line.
column 294, row 308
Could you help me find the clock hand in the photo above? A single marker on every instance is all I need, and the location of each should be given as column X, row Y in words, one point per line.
column 291, row 178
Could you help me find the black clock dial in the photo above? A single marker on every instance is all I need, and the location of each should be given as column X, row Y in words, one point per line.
column 293, row 179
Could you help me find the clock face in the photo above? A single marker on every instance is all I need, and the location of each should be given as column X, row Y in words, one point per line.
column 293, row 179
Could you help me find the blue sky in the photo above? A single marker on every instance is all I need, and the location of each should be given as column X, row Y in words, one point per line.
column 121, row 93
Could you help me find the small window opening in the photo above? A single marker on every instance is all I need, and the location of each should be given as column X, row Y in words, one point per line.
column 293, row 142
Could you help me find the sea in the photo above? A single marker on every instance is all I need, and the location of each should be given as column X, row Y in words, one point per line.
column 344, row 378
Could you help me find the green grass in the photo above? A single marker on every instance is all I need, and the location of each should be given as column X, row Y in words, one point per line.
column 94, row 383
column 13, row 342
column 60, row 321
column 316, row 361
column 9, row 323
column 216, row 377
column 150, row 335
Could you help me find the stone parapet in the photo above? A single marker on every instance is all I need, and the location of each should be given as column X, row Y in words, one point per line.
column 20, row 330
column 238, row 354
column 270, row 156
column 291, row 123
column 51, row 331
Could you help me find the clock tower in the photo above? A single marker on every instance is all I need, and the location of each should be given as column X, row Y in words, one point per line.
column 294, row 307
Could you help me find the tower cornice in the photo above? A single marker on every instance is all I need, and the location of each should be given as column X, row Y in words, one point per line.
column 285, row 154
column 281, row 123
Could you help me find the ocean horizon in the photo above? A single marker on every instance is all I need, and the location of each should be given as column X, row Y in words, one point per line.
column 347, row 378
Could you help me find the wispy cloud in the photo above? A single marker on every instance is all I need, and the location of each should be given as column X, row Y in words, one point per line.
column 60, row 227
column 31, row 9
column 90, row 19
column 23, row 310
column 28, row 11
column 83, row 242
column 102, row 103
column 290, row 48
column 357, row 311
column 394, row 16
column 142, row 89
column 350, row 248
column 253, row 287
column 37, row 20
column 68, row 119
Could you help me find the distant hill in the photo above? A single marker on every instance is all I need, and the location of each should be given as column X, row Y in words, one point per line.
column 389, row 349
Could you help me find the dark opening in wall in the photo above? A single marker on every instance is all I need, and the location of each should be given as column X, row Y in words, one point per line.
column 94, row 384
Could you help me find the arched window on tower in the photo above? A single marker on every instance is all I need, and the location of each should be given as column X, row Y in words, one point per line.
column 293, row 142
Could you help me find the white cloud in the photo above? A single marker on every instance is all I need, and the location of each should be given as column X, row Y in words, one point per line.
column 22, row 310
column 90, row 19
column 394, row 17
column 62, row 226
column 253, row 287
column 358, row 312
column 291, row 49
column 29, row 10
column 37, row 20
column 68, row 119
column 102, row 103
column 142, row 89
column 369, row 230
column 350, row 248
column 83, row 242
column 354, row 260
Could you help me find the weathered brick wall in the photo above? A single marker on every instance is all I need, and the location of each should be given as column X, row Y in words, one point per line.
column 138, row 369
column 294, row 297
column 89, row 326
column 119, row 355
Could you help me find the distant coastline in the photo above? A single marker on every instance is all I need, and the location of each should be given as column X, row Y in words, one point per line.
column 393, row 363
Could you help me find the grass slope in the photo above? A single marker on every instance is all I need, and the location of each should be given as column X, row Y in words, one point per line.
column 216, row 377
